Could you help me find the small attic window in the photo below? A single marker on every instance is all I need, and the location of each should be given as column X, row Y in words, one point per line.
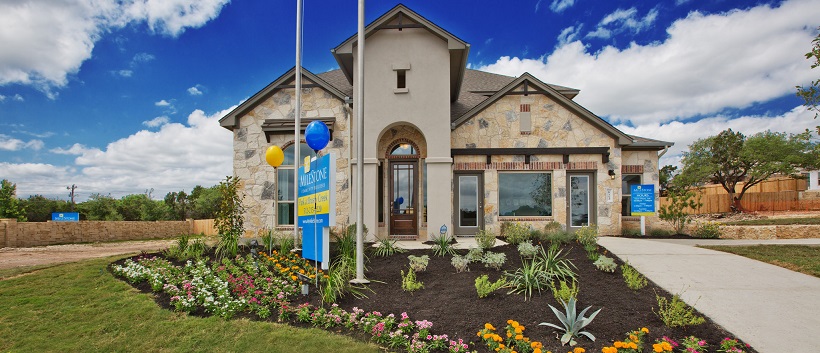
column 401, row 77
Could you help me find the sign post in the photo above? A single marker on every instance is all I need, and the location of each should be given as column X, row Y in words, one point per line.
column 642, row 202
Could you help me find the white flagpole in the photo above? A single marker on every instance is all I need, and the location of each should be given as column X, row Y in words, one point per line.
column 297, row 116
column 360, row 151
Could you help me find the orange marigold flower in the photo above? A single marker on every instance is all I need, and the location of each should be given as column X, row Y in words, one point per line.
column 632, row 345
column 509, row 335
column 519, row 329
column 644, row 330
column 657, row 348
column 519, row 337
column 293, row 277
column 609, row 350
column 633, row 337
column 537, row 350
column 578, row 350
column 488, row 326
column 618, row 344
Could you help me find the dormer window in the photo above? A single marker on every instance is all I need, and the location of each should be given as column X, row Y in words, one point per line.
column 401, row 77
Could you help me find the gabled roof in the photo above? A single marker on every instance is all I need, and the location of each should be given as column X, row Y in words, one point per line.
column 231, row 120
column 643, row 143
column 529, row 82
column 457, row 47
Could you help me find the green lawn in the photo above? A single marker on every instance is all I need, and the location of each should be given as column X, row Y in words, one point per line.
column 800, row 258
column 81, row 307
column 775, row 221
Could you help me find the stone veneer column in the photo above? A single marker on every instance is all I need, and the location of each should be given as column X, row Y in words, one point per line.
column 439, row 194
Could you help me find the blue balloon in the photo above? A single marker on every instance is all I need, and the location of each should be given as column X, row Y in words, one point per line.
column 317, row 135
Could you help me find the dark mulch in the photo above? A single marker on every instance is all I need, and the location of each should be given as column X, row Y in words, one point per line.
column 449, row 300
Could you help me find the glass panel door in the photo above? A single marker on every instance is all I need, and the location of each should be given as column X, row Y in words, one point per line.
column 403, row 190
column 579, row 200
column 469, row 210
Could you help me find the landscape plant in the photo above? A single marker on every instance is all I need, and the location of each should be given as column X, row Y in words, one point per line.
column 485, row 239
column 409, row 283
column 675, row 313
column 660, row 232
column 732, row 345
column 512, row 339
column 632, row 344
column 527, row 250
column 634, row 279
column 515, row 233
column 572, row 322
column 418, row 263
column 229, row 221
column 494, row 260
column 531, row 276
column 475, row 254
column 692, row 344
column 676, row 210
column 605, row 263
column 484, row 287
column 708, row 230
column 460, row 263
column 387, row 247
column 564, row 292
column 442, row 245
column 587, row 236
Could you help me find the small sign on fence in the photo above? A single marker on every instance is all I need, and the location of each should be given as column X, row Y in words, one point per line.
column 65, row 216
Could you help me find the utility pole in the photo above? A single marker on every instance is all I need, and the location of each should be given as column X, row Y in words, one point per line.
column 71, row 194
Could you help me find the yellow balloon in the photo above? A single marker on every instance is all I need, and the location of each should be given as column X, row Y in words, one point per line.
column 274, row 156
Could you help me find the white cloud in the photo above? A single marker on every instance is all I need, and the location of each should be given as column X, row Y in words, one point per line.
column 38, row 178
column 51, row 39
column 2, row 98
column 18, row 98
column 163, row 103
column 142, row 58
column 8, row 143
column 125, row 73
column 561, row 5
column 194, row 91
column 569, row 34
column 155, row 122
column 623, row 20
column 706, row 64
column 684, row 134
column 75, row 149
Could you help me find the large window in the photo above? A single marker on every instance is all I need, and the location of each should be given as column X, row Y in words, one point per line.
column 525, row 194
column 626, row 200
column 285, row 210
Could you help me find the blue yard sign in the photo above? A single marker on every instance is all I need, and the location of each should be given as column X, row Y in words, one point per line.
column 642, row 200
column 65, row 216
column 316, row 206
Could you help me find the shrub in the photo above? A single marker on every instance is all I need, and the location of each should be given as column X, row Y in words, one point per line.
column 658, row 232
column 494, row 260
column 710, row 230
column 475, row 254
column 527, row 250
column 606, row 264
column 285, row 243
column 388, row 247
column 229, row 221
column 564, row 292
column 560, row 237
column 484, row 287
column 442, row 246
column 632, row 232
column 587, row 236
column 634, row 279
column 572, row 322
column 675, row 313
column 674, row 211
column 409, row 282
column 460, row 263
column 485, row 239
column 553, row 227
column 418, row 263
column 178, row 250
column 555, row 264
column 531, row 276
column 195, row 249
column 345, row 242
column 515, row 233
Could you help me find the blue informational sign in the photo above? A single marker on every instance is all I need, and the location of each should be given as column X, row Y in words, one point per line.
column 642, row 200
column 316, row 206
column 65, row 216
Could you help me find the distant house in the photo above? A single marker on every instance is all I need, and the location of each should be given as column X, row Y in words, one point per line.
column 444, row 144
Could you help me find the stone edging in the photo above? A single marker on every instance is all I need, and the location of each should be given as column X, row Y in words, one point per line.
column 770, row 232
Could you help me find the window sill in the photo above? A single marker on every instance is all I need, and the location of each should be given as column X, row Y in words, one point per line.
column 400, row 90
column 525, row 218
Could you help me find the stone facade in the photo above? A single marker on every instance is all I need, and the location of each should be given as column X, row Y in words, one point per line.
column 250, row 144
column 552, row 125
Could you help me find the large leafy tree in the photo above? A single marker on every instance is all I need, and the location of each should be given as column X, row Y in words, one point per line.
column 10, row 206
column 730, row 158
column 811, row 94
column 667, row 173
column 100, row 207
column 39, row 208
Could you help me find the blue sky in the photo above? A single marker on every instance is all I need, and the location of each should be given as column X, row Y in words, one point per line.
column 123, row 97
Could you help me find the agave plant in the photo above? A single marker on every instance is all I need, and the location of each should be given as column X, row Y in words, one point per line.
column 572, row 322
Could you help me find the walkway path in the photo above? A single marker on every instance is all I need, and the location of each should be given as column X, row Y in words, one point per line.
column 773, row 309
column 55, row 254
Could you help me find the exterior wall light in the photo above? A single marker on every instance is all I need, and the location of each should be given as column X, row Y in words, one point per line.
column 612, row 174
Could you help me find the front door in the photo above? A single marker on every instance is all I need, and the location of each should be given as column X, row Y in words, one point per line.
column 581, row 200
column 403, row 192
column 469, row 203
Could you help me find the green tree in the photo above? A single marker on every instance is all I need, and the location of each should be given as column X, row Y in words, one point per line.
column 178, row 204
column 730, row 158
column 204, row 202
column 811, row 94
column 10, row 206
column 140, row 207
column 39, row 208
column 100, row 207
column 667, row 173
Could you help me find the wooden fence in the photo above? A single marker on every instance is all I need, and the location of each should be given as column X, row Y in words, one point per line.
column 754, row 202
column 204, row 226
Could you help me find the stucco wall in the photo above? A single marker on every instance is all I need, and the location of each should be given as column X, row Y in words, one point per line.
column 498, row 126
column 26, row 234
column 259, row 179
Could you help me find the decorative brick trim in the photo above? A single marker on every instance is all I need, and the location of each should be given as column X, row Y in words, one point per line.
column 404, row 237
column 631, row 169
column 400, row 141
column 582, row 166
column 630, row 219
column 525, row 219
column 525, row 108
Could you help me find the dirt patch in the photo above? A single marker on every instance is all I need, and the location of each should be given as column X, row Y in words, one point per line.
column 56, row 254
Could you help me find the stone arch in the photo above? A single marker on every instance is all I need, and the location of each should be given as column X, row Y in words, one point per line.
column 402, row 132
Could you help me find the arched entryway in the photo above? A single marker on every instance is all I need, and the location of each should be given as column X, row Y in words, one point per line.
column 402, row 211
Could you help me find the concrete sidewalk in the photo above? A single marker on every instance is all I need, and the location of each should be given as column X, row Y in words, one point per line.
column 773, row 309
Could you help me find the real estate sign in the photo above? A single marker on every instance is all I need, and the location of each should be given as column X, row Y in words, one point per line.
column 65, row 216
column 316, row 206
column 642, row 199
